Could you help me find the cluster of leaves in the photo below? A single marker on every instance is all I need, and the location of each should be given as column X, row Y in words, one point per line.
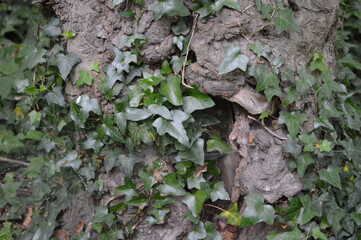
column 282, row 17
column 147, row 108
column 327, row 156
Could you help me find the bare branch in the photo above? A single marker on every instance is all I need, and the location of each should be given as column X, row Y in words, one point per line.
column 8, row 160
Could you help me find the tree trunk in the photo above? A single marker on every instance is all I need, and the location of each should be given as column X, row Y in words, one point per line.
column 258, row 164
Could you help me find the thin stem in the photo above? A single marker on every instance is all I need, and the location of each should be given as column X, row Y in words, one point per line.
column 267, row 129
column 188, row 47
column 214, row 206
column 8, row 160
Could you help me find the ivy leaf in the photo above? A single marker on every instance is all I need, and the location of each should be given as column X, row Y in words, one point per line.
column 131, row 40
column 111, row 130
column 317, row 234
column 195, row 201
column 66, row 63
column 232, row 214
column 195, row 182
column 34, row 56
column 88, row 104
column 256, row 211
column 171, row 90
column 195, row 153
column 135, row 114
column 295, row 234
column 219, row 192
column 212, row 233
column 216, row 144
column 92, row 142
column 121, row 120
column 178, row 41
column 309, row 141
column 293, row 121
column 325, row 146
column 199, row 232
column 128, row 162
column 233, row 4
column 68, row 34
column 305, row 81
column 272, row 91
column 84, row 78
column 52, row 28
column 70, row 160
column 331, row 175
column 260, row 49
column 102, row 216
column 174, row 128
column 265, row 79
column 233, row 59
column 117, row 2
column 284, row 21
column 169, row 7
column 147, row 179
column 303, row 161
column 291, row 96
column 159, row 214
column 181, row 28
column 123, row 59
column 112, row 77
column 171, row 186
column 318, row 64
column 110, row 158
column 95, row 67
column 161, row 111
column 329, row 86
column 56, row 97
column 196, row 101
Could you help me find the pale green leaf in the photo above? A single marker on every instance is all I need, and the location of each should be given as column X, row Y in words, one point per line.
column 233, row 60
column 331, row 176
column 284, row 21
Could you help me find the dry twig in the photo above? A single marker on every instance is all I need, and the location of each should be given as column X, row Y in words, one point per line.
column 186, row 57
column 8, row 160
column 267, row 129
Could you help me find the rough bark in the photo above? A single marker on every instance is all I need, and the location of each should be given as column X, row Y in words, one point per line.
column 258, row 165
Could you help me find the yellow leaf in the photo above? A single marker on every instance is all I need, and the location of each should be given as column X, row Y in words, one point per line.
column 19, row 113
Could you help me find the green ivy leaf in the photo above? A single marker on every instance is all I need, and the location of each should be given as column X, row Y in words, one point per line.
column 265, row 79
column 112, row 77
column 318, row 64
column 284, row 21
column 66, row 63
column 70, row 160
column 95, row 67
column 217, row 144
column 84, row 78
column 256, row 211
column 128, row 162
column 309, row 141
column 159, row 214
column 52, row 28
column 303, row 161
column 305, row 82
column 161, row 111
column 219, row 192
column 8, row 66
column 131, row 40
column 317, row 234
column 174, row 128
column 122, row 60
column 88, row 104
column 232, row 214
column 117, row 2
column 68, row 34
column 196, row 101
column 111, row 130
column 195, row 201
column 34, row 56
column 171, row 90
column 325, row 146
column 93, row 143
column 295, row 234
column 171, row 186
column 199, row 232
column 195, row 153
column 169, row 7
column 260, row 49
column 181, row 28
column 147, row 179
column 135, row 114
column 102, row 216
column 329, row 86
column 195, row 182
column 293, row 121
column 56, row 97
column 331, row 175
column 233, row 59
